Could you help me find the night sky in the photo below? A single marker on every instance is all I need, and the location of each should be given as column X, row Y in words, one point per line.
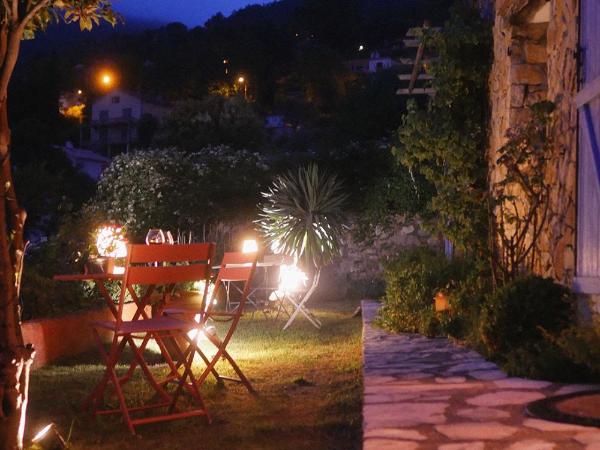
column 189, row 12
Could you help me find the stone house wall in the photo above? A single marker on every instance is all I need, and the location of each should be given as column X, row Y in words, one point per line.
column 535, row 60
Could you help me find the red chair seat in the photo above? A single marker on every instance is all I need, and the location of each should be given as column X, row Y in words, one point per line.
column 146, row 326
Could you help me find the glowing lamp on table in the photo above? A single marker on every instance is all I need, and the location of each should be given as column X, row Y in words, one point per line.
column 249, row 246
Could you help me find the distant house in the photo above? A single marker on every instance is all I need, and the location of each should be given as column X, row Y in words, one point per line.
column 276, row 125
column 115, row 121
column 375, row 63
column 86, row 161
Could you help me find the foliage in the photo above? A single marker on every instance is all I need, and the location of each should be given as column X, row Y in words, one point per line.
column 41, row 296
column 214, row 120
column 445, row 141
column 371, row 109
column 396, row 191
column 412, row 280
column 173, row 190
column 301, row 215
column 581, row 343
column 320, row 74
column 515, row 314
column 58, row 189
column 467, row 298
column 521, row 197
column 543, row 360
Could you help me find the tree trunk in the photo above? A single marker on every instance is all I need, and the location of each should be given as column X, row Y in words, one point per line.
column 15, row 356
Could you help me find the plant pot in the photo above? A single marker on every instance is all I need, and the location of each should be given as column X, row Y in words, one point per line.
column 100, row 264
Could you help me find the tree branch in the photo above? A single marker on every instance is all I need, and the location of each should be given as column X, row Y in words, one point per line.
column 31, row 14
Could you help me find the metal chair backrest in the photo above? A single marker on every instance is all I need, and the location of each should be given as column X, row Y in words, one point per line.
column 165, row 265
column 236, row 267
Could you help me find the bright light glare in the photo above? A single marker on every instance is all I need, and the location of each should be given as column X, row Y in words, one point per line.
column 111, row 242
column 42, row 433
column 241, row 80
column 79, row 92
column 199, row 286
column 200, row 335
column 249, row 246
column 106, row 79
column 361, row 48
column 291, row 278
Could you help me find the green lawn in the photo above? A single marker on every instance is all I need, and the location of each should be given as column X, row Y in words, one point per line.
column 309, row 384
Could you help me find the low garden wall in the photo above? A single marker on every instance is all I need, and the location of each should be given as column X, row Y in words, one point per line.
column 362, row 262
column 62, row 337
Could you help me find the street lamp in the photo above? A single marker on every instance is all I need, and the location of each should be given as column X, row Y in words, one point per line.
column 106, row 79
column 242, row 81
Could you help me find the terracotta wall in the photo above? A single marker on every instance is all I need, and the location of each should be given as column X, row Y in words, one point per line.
column 66, row 336
column 534, row 62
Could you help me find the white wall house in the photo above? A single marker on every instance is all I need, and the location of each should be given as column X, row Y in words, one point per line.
column 86, row 161
column 115, row 119
column 373, row 64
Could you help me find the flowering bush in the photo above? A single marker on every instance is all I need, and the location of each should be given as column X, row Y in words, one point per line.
column 171, row 189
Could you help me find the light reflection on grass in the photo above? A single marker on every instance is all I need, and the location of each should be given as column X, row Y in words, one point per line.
column 308, row 380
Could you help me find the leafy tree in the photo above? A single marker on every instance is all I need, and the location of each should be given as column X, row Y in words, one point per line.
column 445, row 141
column 173, row 190
column 214, row 120
column 371, row 109
column 20, row 19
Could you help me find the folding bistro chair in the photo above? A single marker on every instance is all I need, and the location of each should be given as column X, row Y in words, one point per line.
column 154, row 267
column 235, row 267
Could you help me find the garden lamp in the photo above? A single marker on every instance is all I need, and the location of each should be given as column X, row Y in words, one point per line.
column 50, row 435
column 249, row 246
column 291, row 278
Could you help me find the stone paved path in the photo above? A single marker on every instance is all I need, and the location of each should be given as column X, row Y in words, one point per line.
column 425, row 393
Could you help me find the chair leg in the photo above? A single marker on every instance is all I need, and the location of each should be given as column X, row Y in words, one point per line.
column 111, row 360
column 193, row 386
column 146, row 371
column 121, row 397
column 239, row 372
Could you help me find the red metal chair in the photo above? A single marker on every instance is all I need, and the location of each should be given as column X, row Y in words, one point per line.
column 155, row 268
column 238, row 268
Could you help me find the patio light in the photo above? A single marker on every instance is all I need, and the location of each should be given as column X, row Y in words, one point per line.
column 44, row 434
column 291, row 279
column 249, row 246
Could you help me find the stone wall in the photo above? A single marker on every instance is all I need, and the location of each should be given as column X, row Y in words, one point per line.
column 535, row 62
column 362, row 262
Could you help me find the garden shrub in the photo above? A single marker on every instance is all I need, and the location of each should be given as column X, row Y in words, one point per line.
column 466, row 300
column 581, row 344
column 517, row 314
column 543, row 360
column 412, row 280
column 172, row 190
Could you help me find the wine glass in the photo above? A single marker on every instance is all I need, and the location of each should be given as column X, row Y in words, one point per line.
column 155, row 236
column 169, row 238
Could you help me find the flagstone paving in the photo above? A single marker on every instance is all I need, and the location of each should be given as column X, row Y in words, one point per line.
column 428, row 393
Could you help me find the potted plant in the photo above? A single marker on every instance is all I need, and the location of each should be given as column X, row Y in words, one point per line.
column 302, row 217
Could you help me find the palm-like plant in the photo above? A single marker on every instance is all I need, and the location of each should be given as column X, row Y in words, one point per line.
column 301, row 216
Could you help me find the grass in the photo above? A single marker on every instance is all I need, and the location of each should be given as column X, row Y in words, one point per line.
column 309, row 384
